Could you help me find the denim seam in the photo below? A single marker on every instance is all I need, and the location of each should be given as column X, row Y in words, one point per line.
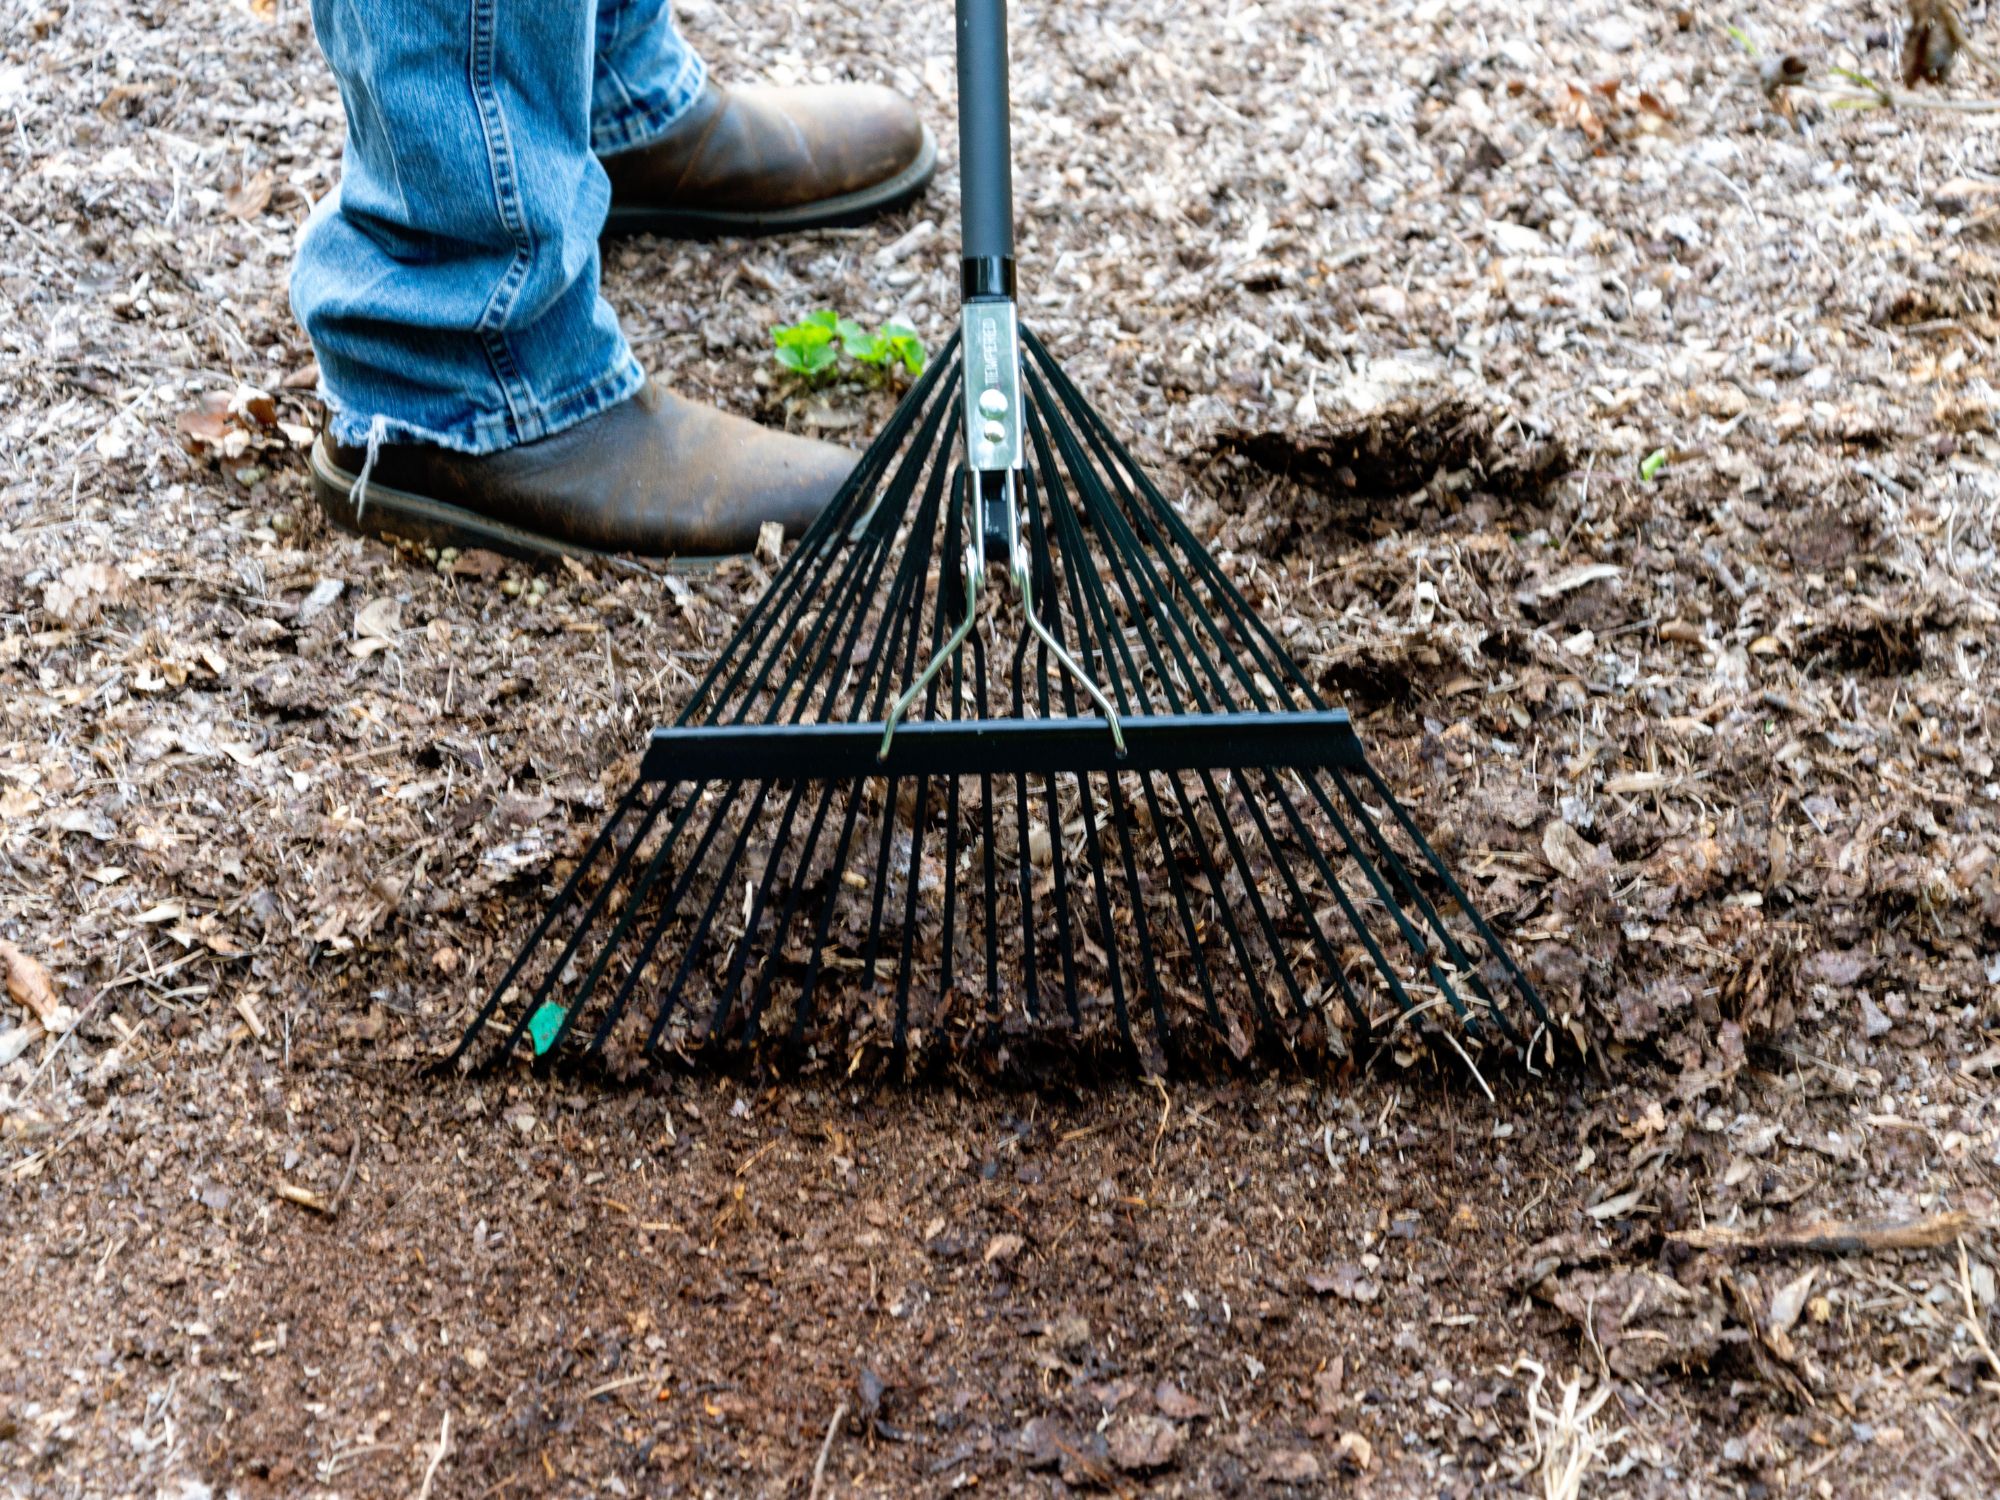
column 641, row 125
column 489, row 432
column 507, row 199
column 606, row 45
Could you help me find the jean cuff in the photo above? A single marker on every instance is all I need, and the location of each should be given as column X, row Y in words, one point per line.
column 644, row 121
column 490, row 432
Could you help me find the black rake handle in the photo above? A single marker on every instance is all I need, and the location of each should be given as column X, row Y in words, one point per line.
column 985, row 150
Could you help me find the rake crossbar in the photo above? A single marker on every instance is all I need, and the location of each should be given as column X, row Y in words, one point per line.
column 1003, row 747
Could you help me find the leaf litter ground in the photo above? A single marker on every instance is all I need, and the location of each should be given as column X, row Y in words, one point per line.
column 1397, row 299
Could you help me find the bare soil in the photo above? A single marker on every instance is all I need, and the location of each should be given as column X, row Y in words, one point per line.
column 1615, row 438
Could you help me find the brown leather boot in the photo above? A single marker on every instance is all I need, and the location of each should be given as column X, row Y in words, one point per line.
column 751, row 161
column 656, row 476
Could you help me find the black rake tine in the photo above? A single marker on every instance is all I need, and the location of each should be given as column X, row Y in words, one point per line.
column 853, row 615
column 1094, row 590
column 904, row 957
column 986, row 840
column 1091, row 843
column 917, row 561
column 535, row 1000
column 1098, row 611
column 1280, row 666
column 824, row 529
column 905, row 484
column 1024, row 858
column 1043, row 560
column 918, row 458
column 621, row 1000
column 945, row 599
column 1458, row 896
column 670, row 997
column 1411, row 935
column 1094, row 653
column 634, row 902
column 1178, row 885
column 946, row 927
column 1277, row 664
column 838, row 869
column 1355, row 921
column 726, row 992
column 795, row 892
column 893, row 611
column 1066, row 524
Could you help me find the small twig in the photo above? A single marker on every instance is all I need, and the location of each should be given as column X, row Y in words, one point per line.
column 347, row 1178
column 443, row 1447
column 1973, row 1319
column 1834, row 1236
column 291, row 1192
column 61, row 1041
column 1885, row 96
column 825, row 1448
column 1405, row 1018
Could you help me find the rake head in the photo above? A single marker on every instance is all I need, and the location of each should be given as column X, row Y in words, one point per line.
column 1107, row 806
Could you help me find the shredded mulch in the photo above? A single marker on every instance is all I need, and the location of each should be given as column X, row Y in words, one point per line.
column 1613, row 434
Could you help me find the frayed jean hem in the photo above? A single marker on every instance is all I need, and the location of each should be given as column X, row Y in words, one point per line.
column 490, row 432
column 640, row 124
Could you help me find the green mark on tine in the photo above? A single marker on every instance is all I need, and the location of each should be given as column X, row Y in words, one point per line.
column 544, row 1024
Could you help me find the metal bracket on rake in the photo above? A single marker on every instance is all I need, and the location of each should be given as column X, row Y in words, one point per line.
column 1000, row 530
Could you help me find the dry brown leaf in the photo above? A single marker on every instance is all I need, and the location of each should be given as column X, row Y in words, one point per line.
column 1177, row 1404
column 1003, row 1248
column 376, row 627
column 205, row 428
column 1139, row 1444
column 1568, row 852
column 1575, row 110
column 251, row 196
column 1355, row 1450
column 1789, row 1301
column 83, row 589
column 30, row 985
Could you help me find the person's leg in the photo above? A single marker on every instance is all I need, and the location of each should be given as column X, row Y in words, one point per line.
column 645, row 75
column 450, row 283
column 481, row 393
column 691, row 159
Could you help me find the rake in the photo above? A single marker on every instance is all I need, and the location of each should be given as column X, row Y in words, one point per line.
column 1003, row 757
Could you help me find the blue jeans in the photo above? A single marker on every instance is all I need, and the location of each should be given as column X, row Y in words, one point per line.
column 450, row 283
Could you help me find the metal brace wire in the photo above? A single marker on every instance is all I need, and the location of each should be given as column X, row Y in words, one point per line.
column 1020, row 571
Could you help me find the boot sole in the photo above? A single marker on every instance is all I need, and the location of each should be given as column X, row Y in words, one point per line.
column 392, row 514
column 845, row 212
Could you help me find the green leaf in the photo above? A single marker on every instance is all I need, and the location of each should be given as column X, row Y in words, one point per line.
column 808, row 358
column 1651, row 464
column 825, row 318
column 903, row 344
column 868, row 348
column 544, row 1024
column 1741, row 40
column 806, row 348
